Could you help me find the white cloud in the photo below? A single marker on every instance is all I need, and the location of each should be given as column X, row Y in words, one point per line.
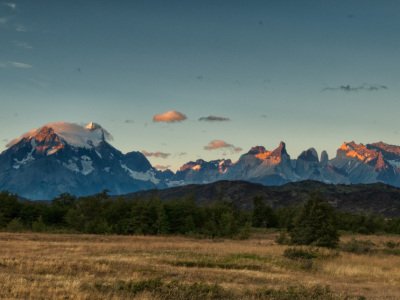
column 19, row 65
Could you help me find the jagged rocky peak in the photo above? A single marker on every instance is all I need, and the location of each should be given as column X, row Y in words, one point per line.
column 192, row 165
column 358, row 151
column 224, row 165
column 46, row 141
column 44, row 134
column 280, row 151
column 380, row 163
column 310, row 155
column 324, row 158
column 220, row 165
column 261, row 153
column 257, row 150
column 389, row 151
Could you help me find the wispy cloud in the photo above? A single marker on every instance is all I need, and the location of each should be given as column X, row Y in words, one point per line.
column 171, row 116
column 3, row 20
column 214, row 119
column 220, row 144
column 15, row 64
column 11, row 5
column 22, row 45
column 21, row 28
column 162, row 167
column 350, row 88
column 19, row 65
column 157, row 154
column 40, row 82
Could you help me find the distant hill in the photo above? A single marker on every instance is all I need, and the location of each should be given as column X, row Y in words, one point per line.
column 376, row 198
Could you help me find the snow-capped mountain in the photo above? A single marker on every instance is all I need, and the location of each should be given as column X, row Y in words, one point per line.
column 64, row 157
column 354, row 163
column 200, row 171
column 68, row 158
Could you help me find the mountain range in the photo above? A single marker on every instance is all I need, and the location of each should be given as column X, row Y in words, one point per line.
column 69, row 158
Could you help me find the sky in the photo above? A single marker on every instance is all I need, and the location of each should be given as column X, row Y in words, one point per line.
column 230, row 74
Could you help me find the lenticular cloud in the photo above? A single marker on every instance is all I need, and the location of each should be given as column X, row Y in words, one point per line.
column 170, row 117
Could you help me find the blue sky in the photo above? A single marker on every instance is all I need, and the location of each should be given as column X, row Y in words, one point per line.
column 310, row 73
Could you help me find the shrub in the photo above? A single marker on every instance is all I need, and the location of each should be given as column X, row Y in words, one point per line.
column 298, row 293
column 391, row 244
column 357, row 246
column 282, row 238
column 244, row 232
column 161, row 290
column 298, row 253
column 15, row 225
column 39, row 226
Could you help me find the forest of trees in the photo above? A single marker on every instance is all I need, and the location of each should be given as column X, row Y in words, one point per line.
column 102, row 214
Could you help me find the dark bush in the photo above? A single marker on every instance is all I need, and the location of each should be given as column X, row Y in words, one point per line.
column 299, row 253
column 357, row 246
column 283, row 238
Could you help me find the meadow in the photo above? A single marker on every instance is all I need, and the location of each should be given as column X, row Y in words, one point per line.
column 77, row 266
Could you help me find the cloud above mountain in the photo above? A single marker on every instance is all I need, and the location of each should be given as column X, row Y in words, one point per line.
column 220, row 144
column 171, row 116
column 364, row 87
column 157, row 154
column 162, row 167
column 84, row 136
column 212, row 118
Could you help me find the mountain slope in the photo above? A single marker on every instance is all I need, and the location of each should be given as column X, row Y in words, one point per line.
column 374, row 198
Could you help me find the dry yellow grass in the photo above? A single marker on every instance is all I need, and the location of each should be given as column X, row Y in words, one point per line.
column 50, row 266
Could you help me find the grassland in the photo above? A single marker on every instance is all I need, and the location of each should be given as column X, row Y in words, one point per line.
column 56, row 266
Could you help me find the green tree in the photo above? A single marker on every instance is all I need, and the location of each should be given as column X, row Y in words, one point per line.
column 162, row 220
column 263, row 215
column 9, row 208
column 315, row 224
column 15, row 225
column 38, row 225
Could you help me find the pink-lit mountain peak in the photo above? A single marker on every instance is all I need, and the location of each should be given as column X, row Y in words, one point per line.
column 358, row 151
column 88, row 136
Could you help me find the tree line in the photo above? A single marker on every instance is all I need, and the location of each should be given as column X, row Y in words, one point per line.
column 314, row 222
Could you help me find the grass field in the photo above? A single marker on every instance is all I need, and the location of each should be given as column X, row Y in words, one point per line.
column 55, row 266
